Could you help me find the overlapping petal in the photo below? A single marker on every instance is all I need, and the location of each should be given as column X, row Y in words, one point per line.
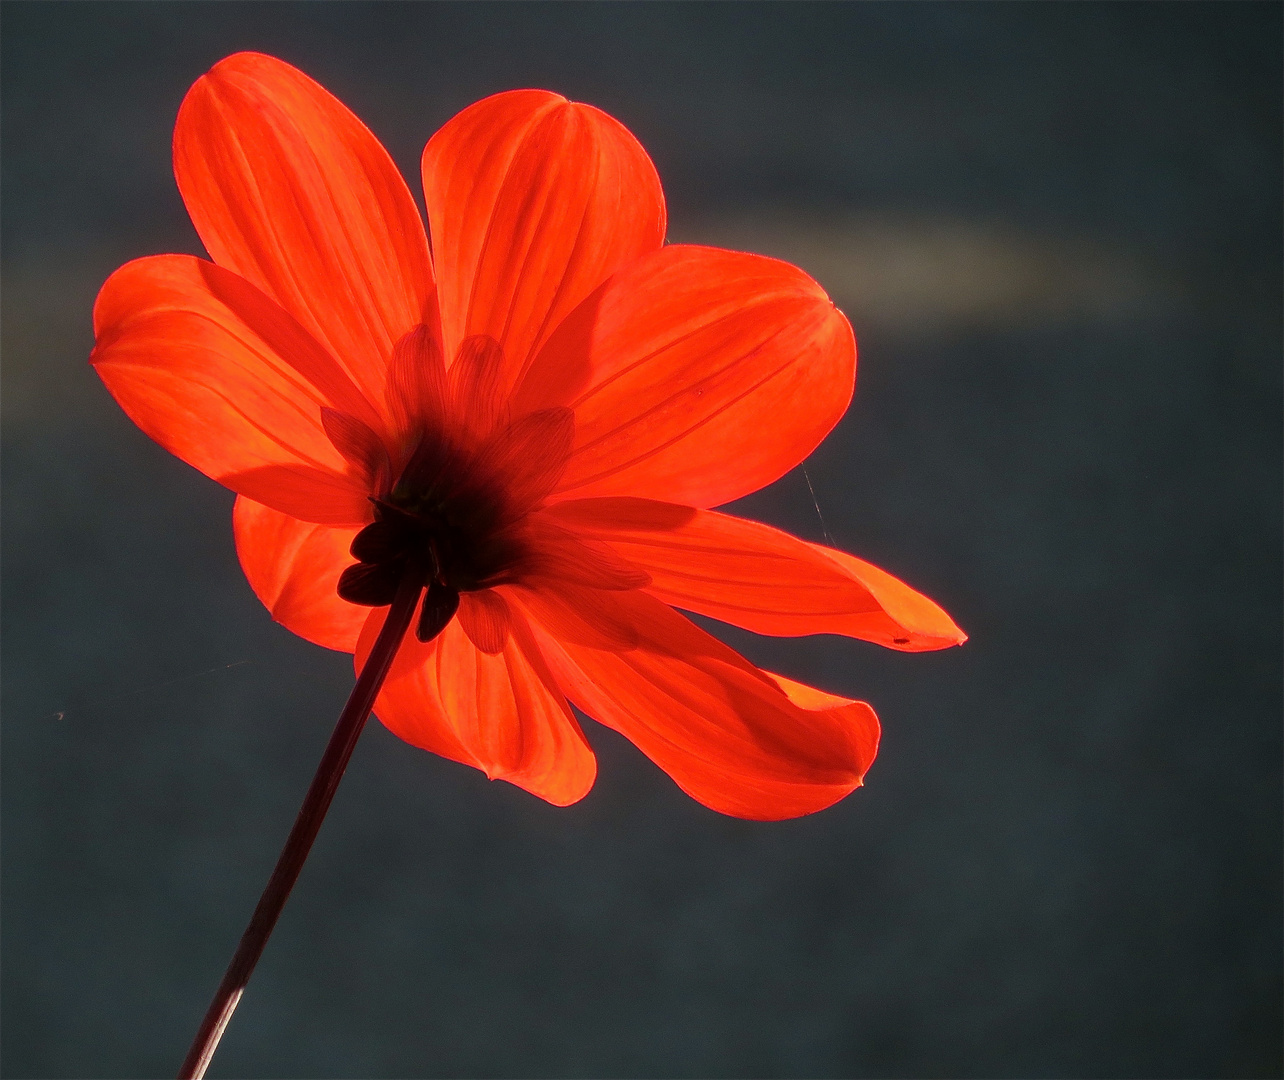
column 735, row 738
column 696, row 375
column 757, row 577
column 224, row 379
column 293, row 567
column 289, row 189
column 501, row 713
column 533, row 201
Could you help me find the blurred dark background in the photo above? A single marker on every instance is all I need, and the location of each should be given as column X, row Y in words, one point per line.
column 1057, row 231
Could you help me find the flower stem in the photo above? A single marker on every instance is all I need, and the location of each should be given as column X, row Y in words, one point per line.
column 306, row 826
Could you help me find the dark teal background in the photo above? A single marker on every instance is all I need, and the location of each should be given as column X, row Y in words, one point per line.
column 1057, row 231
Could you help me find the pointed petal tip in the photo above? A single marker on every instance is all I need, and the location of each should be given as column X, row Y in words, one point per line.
column 933, row 640
column 917, row 623
column 919, row 642
column 757, row 577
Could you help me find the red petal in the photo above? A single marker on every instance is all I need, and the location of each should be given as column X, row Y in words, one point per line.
column 314, row 495
column 757, row 577
column 589, row 617
column 417, row 392
column 557, row 556
column 696, row 376
column 361, row 447
column 205, row 381
column 293, row 567
column 293, row 192
column 739, row 740
column 533, row 202
column 528, row 457
column 928, row 625
column 502, row 714
column 484, row 616
column 478, row 402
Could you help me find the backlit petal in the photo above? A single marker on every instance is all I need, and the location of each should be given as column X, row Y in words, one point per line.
column 293, row 567
column 527, row 457
column 478, row 402
column 757, row 577
column 484, row 617
column 533, row 202
column 289, row 189
column 502, row 714
column 416, row 391
column 556, row 556
column 928, row 625
column 592, row 618
column 739, row 740
column 361, row 446
column 316, row 495
column 236, row 391
column 697, row 376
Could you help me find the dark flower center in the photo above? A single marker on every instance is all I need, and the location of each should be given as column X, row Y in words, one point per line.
column 454, row 516
column 441, row 522
column 467, row 475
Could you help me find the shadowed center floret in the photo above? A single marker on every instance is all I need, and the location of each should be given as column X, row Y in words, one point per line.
column 446, row 525
column 454, row 516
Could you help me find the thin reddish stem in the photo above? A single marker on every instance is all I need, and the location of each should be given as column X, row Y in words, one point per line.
column 306, row 826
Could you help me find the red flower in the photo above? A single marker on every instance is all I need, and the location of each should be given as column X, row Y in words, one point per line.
column 536, row 415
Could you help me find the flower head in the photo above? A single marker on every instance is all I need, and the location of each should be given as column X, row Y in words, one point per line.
column 533, row 418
